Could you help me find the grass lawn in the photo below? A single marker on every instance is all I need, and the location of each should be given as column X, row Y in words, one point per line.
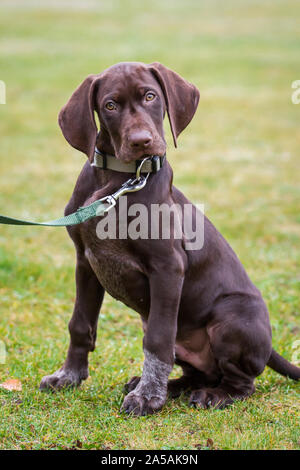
column 240, row 157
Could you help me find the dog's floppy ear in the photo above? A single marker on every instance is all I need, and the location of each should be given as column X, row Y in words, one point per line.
column 76, row 119
column 181, row 97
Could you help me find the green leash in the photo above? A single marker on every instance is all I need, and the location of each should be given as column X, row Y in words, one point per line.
column 96, row 209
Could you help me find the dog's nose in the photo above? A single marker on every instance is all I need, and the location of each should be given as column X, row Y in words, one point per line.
column 140, row 139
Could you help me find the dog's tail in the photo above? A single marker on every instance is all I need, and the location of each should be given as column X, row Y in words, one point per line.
column 283, row 367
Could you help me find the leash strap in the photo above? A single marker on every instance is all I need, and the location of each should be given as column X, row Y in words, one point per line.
column 96, row 209
column 82, row 214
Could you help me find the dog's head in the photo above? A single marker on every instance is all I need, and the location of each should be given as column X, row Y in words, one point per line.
column 130, row 99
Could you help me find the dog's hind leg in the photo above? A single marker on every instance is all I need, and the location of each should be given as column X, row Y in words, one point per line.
column 241, row 349
column 82, row 327
column 235, row 385
column 191, row 379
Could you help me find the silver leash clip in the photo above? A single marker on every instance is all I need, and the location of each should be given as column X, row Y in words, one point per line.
column 130, row 186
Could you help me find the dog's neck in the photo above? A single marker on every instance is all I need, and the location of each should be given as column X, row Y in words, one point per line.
column 111, row 178
column 157, row 188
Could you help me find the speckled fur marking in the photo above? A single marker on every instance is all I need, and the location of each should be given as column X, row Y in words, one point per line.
column 154, row 380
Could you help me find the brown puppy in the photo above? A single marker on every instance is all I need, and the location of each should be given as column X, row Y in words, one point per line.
column 198, row 307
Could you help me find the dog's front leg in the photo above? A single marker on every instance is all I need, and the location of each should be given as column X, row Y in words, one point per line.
column 82, row 327
column 159, row 341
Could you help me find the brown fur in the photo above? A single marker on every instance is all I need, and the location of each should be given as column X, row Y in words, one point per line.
column 199, row 304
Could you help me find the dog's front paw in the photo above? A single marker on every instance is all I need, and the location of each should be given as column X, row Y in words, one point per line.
column 63, row 378
column 140, row 405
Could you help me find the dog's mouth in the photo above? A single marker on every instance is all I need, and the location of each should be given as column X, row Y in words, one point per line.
column 133, row 158
column 136, row 144
column 129, row 155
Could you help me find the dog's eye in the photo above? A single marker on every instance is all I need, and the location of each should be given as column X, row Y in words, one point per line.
column 110, row 105
column 150, row 96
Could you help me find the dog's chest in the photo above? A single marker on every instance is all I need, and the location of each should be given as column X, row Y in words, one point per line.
column 119, row 273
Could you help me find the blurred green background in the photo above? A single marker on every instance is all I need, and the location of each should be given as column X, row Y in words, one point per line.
column 239, row 156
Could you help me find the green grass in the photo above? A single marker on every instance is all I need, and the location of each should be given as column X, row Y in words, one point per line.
column 240, row 157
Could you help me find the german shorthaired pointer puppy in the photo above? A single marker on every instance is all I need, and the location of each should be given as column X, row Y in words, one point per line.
column 199, row 308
